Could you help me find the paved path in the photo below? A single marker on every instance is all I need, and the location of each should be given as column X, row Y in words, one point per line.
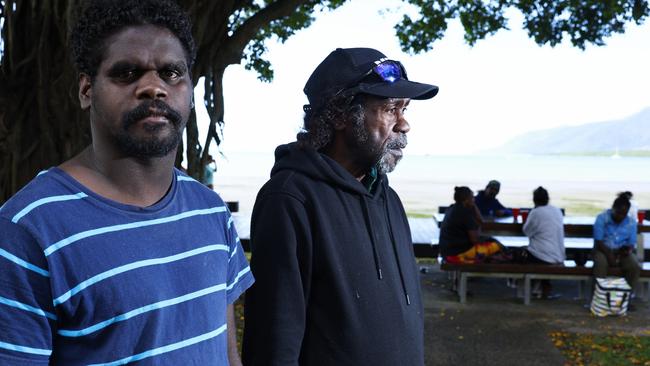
column 495, row 328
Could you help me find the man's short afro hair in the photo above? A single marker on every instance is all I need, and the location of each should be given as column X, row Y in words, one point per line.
column 100, row 19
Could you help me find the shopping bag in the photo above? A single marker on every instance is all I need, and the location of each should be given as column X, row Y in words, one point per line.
column 611, row 296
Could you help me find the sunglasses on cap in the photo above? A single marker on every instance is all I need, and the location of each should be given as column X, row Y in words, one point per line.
column 388, row 70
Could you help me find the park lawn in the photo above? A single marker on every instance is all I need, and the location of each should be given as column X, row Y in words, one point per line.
column 610, row 349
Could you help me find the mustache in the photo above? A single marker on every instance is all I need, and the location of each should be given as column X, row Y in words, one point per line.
column 399, row 142
column 144, row 110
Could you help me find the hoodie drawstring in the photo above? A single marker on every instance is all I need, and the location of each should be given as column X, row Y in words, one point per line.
column 373, row 240
column 397, row 258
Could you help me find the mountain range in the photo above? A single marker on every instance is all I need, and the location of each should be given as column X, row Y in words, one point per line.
column 631, row 134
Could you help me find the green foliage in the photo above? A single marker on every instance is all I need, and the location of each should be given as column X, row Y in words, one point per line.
column 584, row 21
column 480, row 18
column 547, row 21
column 418, row 35
column 281, row 30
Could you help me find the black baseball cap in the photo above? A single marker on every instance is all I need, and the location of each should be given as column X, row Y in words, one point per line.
column 351, row 70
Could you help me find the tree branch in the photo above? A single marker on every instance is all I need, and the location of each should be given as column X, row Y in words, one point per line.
column 243, row 35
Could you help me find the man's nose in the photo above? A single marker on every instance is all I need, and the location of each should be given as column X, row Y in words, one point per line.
column 402, row 124
column 151, row 86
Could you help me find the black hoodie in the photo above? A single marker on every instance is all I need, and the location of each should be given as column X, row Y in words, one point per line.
column 336, row 281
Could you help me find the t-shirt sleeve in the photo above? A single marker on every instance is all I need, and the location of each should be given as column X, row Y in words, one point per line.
column 599, row 228
column 240, row 277
column 27, row 317
column 530, row 226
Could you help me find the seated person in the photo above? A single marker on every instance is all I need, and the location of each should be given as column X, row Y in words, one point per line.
column 545, row 230
column 614, row 242
column 487, row 202
column 459, row 233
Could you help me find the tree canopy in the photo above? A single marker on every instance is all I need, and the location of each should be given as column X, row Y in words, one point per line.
column 41, row 124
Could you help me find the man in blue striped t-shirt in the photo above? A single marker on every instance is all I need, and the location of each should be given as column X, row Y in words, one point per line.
column 114, row 256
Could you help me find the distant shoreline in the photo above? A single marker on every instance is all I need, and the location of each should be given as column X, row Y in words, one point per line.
column 583, row 185
column 627, row 154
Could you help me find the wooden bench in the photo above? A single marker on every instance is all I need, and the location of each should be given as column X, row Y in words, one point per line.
column 528, row 272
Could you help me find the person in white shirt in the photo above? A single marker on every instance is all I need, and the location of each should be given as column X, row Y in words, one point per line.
column 545, row 230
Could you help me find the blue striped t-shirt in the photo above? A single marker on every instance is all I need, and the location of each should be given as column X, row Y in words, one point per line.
column 88, row 281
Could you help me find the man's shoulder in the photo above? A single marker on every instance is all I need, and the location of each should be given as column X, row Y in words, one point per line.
column 292, row 182
column 191, row 188
column 45, row 186
column 602, row 217
column 457, row 212
column 550, row 209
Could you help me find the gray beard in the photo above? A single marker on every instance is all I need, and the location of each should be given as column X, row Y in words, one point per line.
column 375, row 156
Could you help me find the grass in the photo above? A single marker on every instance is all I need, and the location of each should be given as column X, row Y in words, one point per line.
column 426, row 261
column 583, row 209
column 612, row 349
column 419, row 215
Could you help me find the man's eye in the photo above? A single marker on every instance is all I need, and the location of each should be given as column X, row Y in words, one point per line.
column 125, row 75
column 170, row 74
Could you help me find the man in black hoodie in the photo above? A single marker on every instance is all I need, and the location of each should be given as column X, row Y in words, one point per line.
column 332, row 253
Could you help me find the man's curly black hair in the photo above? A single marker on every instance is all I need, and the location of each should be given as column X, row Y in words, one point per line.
column 318, row 129
column 100, row 19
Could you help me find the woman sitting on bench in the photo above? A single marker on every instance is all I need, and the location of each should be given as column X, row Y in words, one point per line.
column 460, row 241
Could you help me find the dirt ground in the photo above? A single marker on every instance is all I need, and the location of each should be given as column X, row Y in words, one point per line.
column 494, row 327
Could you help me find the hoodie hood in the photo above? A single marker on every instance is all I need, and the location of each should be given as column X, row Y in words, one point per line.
column 319, row 166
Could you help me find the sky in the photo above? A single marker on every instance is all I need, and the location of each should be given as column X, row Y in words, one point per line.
column 504, row 86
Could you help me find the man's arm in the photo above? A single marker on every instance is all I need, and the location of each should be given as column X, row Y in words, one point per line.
column 530, row 226
column 501, row 210
column 233, row 352
column 473, row 224
column 477, row 214
column 27, row 316
column 276, row 305
column 239, row 279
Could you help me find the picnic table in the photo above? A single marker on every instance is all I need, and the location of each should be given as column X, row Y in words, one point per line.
column 425, row 233
column 578, row 233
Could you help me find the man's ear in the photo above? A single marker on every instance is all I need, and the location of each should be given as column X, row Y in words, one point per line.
column 85, row 90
